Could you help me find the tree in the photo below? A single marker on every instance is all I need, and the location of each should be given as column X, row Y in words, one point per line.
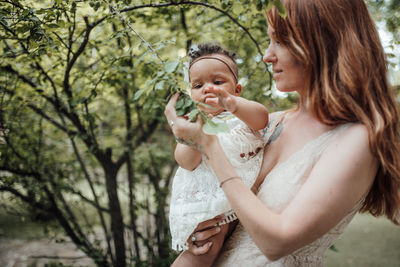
column 83, row 86
column 389, row 12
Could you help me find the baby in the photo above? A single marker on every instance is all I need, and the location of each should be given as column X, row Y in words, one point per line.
column 196, row 194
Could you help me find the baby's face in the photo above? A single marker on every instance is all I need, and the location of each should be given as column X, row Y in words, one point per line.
column 207, row 73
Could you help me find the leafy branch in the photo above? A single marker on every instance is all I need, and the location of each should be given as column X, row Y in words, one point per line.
column 185, row 105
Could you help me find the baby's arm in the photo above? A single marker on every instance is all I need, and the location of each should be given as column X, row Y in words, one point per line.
column 187, row 157
column 254, row 114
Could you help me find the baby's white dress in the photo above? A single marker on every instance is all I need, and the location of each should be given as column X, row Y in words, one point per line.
column 196, row 195
column 278, row 189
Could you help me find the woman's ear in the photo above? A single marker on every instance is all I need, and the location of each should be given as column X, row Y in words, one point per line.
column 238, row 89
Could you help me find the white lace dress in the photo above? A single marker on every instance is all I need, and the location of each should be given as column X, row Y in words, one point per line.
column 196, row 195
column 278, row 189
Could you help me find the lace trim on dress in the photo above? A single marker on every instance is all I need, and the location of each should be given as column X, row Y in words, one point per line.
column 230, row 216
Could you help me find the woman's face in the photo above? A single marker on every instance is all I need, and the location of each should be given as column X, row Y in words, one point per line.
column 288, row 72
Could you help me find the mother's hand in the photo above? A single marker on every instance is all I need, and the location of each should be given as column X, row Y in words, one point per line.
column 202, row 252
column 186, row 132
column 203, row 236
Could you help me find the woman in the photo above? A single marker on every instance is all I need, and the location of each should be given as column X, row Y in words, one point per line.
column 335, row 154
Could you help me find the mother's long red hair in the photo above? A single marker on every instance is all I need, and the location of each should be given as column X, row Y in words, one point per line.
column 346, row 81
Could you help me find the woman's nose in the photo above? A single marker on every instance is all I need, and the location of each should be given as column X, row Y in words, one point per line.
column 269, row 56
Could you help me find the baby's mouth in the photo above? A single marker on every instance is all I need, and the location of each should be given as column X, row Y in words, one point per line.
column 205, row 98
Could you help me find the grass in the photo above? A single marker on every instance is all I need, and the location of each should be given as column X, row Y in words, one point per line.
column 15, row 226
column 367, row 241
column 12, row 226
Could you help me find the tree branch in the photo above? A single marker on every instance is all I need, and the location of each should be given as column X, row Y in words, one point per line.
column 23, row 197
column 75, row 56
column 12, row 3
column 96, row 199
column 61, row 40
column 26, row 80
column 89, row 201
column 130, row 169
column 90, row 143
column 91, row 127
column 18, row 171
column 51, row 120
column 193, row 3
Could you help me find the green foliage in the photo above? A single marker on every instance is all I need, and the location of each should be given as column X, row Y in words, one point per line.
column 211, row 127
column 82, row 93
column 389, row 12
column 278, row 4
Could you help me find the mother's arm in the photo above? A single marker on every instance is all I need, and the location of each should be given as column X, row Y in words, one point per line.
column 340, row 178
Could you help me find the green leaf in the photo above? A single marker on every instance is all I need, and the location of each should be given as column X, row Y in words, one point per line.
column 138, row 94
column 205, row 105
column 188, row 103
column 170, row 66
column 211, row 127
column 333, row 248
column 179, row 104
column 41, row 51
column 193, row 114
column 237, row 9
column 281, row 8
column 53, row 25
column 160, row 85
column 61, row 23
column 270, row 4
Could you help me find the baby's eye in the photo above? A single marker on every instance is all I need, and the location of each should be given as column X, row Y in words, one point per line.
column 218, row 82
column 197, row 86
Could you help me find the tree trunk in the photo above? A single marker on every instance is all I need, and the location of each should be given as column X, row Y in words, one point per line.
column 117, row 225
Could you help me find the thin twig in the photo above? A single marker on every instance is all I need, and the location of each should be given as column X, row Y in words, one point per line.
column 58, row 257
column 113, row 9
column 193, row 3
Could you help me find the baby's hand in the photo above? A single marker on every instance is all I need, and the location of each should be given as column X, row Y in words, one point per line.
column 222, row 99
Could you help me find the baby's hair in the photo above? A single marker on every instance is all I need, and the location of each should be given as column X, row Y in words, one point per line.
column 208, row 49
column 205, row 49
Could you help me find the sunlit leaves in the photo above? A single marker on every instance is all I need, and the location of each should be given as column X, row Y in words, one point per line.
column 185, row 105
column 170, row 66
column 211, row 127
column 116, row 74
column 279, row 5
column 95, row 5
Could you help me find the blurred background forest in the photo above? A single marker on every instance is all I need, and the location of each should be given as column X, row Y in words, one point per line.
column 86, row 157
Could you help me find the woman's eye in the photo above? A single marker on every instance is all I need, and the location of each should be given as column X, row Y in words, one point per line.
column 274, row 41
